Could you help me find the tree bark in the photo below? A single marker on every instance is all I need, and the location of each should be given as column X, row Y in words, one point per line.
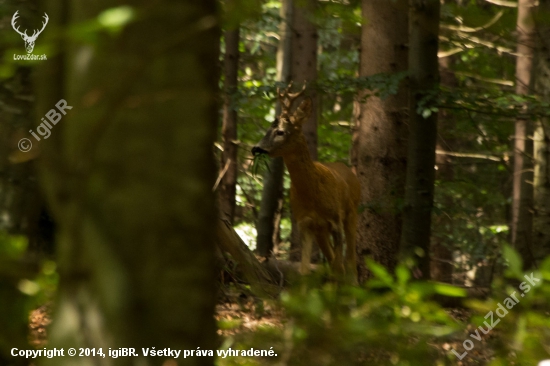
column 304, row 63
column 522, row 192
column 541, row 220
column 424, row 78
column 129, row 177
column 228, row 182
column 272, row 194
column 304, row 69
column 381, row 134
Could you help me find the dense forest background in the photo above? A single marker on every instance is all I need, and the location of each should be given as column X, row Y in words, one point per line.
column 141, row 219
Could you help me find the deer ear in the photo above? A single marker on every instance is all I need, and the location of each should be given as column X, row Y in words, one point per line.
column 304, row 110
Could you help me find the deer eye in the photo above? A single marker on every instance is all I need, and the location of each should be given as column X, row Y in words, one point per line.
column 280, row 133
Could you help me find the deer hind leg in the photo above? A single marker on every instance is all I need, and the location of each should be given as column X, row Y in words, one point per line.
column 323, row 240
column 337, row 238
column 350, row 228
column 306, row 237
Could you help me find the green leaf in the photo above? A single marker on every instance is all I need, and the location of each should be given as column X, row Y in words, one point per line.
column 545, row 269
column 513, row 258
column 380, row 272
column 449, row 290
column 403, row 274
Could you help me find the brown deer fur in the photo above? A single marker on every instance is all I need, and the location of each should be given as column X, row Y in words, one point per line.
column 324, row 196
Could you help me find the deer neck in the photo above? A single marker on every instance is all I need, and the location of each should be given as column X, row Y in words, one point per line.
column 301, row 168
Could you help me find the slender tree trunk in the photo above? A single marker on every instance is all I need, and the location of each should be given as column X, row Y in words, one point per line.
column 442, row 256
column 272, row 194
column 304, row 69
column 355, row 133
column 382, row 133
column 522, row 194
column 129, row 177
column 541, row 223
column 424, row 78
column 229, row 166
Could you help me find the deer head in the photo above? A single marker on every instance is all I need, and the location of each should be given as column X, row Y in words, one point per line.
column 286, row 132
column 29, row 40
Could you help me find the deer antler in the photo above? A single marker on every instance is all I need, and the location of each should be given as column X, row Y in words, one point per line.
column 24, row 34
column 36, row 33
column 13, row 19
column 286, row 98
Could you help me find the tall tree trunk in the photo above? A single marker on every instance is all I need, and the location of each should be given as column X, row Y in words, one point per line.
column 19, row 199
column 424, row 78
column 541, row 220
column 442, row 256
column 304, row 69
column 229, row 166
column 129, row 178
column 304, row 62
column 522, row 194
column 272, row 194
column 382, row 133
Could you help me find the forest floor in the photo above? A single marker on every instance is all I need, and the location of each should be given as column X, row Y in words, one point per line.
column 238, row 315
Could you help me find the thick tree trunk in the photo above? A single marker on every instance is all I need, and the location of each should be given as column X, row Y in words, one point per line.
column 228, row 166
column 381, row 134
column 304, row 69
column 522, row 193
column 424, row 78
column 272, row 194
column 129, row 177
column 541, row 223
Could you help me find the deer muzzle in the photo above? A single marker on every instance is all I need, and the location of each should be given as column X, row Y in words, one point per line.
column 256, row 150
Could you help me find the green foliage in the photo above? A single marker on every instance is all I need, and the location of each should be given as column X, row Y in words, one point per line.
column 520, row 333
column 24, row 285
column 389, row 321
column 260, row 160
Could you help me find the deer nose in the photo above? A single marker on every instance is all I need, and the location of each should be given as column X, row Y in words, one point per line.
column 256, row 150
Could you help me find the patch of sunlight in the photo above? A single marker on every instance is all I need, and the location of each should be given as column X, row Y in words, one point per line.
column 248, row 234
column 239, row 196
column 116, row 18
column 499, row 228
column 28, row 287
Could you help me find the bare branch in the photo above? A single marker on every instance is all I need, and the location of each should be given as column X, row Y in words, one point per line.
column 477, row 29
column 508, row 4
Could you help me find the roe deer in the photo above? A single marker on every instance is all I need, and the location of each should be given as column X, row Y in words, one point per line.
column 324, row 196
